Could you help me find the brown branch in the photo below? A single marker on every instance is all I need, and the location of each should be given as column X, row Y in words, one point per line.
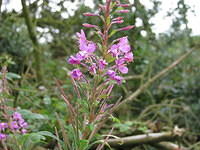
column 154, row 78
column 33, row 37
column 150, row 138
column 169, row 146
column 141, row 139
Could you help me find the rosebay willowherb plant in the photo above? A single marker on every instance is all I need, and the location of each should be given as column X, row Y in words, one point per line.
column 99, row 66
column 12, row 123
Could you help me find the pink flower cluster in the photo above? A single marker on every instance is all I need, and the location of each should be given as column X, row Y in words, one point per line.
column 17, row 124
column 120, row 51
column 86, row 57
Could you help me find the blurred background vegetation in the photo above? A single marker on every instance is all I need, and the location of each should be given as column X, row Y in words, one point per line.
column 36, row 41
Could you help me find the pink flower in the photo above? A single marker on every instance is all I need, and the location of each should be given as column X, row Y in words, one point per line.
column 121, row 48
column 76, row 74
column 123, row 69
column 14, row 125
column 17, row 116
column 82, row 40
column 23, row 131
column 124, row 45
column 78, row 58
column 111, row 73
column 82, row 55
column 91, row 47
column 121, row 66
column 84, row 44
column 74, row 60
column 113, row 76
column 102, row 64
column 3, row 126
column 114, row 50
column 119, row 79
column 3, row 136
column 23, row 124
column 129, row 57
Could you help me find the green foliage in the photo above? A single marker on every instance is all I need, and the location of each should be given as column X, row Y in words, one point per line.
column 29, row 141
column 173, row 100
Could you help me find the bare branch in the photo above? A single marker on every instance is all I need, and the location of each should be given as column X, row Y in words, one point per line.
column 169, row 146
column 150, row 138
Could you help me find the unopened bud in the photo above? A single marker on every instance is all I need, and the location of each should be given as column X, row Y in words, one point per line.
column 90, row 14
column 89, row 25
column 118, row 22
column 126, row 28
column 123, row 11
column 124, row 5
column 118, row 18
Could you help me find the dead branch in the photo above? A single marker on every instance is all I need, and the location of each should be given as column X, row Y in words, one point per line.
column 141, row 139
column 150, row 138
column 169, row 146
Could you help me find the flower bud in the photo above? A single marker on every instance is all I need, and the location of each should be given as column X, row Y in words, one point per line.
column 89, row 25
column 118, row 18
column 90, row 14
column 126, row 28
column 123, row 11
column 118, row 22
column 124, row 5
